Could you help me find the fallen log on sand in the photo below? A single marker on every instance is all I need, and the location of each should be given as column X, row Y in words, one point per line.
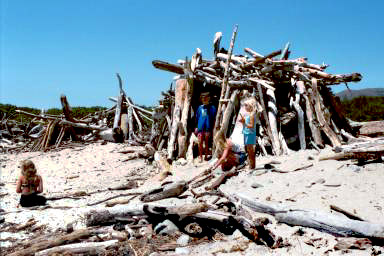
column 330, row 223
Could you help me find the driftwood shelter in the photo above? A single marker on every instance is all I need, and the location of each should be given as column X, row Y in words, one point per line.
column 299, row 110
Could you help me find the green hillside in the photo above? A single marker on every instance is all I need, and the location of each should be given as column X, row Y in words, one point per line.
column 9, row 111
column 364, row 108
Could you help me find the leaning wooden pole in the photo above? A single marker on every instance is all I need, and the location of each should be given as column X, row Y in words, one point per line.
column 320, row 116
column 312, row 122
column 179, row 88
column 117, row 132
column 220, row 108
column 264, row 111
column 183, row 132
column 300, row 113
column 272, row 113
column 228, row 112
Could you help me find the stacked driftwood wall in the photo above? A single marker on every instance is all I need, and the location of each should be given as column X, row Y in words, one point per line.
column 124, row 122
column 298, row 108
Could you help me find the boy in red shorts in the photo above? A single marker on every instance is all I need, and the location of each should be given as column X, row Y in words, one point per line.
column 205, row 116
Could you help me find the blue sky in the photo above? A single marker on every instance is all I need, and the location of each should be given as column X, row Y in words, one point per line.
column 75, row 47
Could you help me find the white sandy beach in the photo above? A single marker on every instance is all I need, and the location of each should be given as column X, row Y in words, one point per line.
column 356, row 189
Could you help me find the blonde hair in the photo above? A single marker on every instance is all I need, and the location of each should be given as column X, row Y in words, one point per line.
column 251, row 101
column 28, row 168
column 220, row 143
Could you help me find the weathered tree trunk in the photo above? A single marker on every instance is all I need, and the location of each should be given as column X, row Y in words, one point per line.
column 272, row 112
column 373, row 152
column 192, row 141
column 124, row 125
column 313, row 124
column 137, row 118
column 84, row 126
column 117, row 133
column 68, row 115
column 78, row 248
column 178, row 69
column 105, row 216
column 169, row 190
column 182, row 211
column 183, row 135
column 300, row 113
column 56, row 241
column 179, row 96
column 322, row 221
column 262, row 146
column 228, row 112
column 130, row 123
column 320, row 116
column 66, row 108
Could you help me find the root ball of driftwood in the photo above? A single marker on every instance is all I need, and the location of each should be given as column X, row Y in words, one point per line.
column 94, row 218
column 118, row 135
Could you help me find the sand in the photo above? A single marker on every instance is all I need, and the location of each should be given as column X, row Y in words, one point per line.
column 97, row 166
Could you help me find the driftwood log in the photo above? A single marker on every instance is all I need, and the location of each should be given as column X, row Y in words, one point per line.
column 330, row 223
column 78, row 248
column 166, row 191
column 52, row 242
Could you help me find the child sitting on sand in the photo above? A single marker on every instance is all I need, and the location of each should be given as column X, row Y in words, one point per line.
column 30, row 185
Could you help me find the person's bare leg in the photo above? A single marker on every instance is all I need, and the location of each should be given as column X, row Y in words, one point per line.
column 251, row 156
column 201, row 142
column 206, row 148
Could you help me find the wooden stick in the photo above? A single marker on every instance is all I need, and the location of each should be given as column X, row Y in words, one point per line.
column 37, row 116
column 178, row 69
column 56, row 241
column 85, row 126
column 228, row 112
column 266, row 118
column 77, row 248
column 258, row 61
column 136, row 117
column 113, row 197
column 346, row 213
column 222, row 179
column 169, row 190
column 273, row 123
column 220, row 108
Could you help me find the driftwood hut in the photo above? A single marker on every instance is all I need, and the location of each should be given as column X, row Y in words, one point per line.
column 299, row 110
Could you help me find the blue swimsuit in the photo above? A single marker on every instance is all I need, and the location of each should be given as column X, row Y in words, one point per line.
column 249, row 133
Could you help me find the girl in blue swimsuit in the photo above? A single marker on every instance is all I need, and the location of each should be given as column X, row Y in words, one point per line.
column 249, row 130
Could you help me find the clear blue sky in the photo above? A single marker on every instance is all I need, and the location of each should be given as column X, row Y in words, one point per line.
column 75, row 47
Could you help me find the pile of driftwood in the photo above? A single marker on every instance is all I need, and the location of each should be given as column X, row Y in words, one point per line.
column 299, row 110
column 130, row 124
column 213, row 214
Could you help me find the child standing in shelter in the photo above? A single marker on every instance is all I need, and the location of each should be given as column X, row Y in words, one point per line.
column 205, row 116
column 249, row 129
column 30, row 184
